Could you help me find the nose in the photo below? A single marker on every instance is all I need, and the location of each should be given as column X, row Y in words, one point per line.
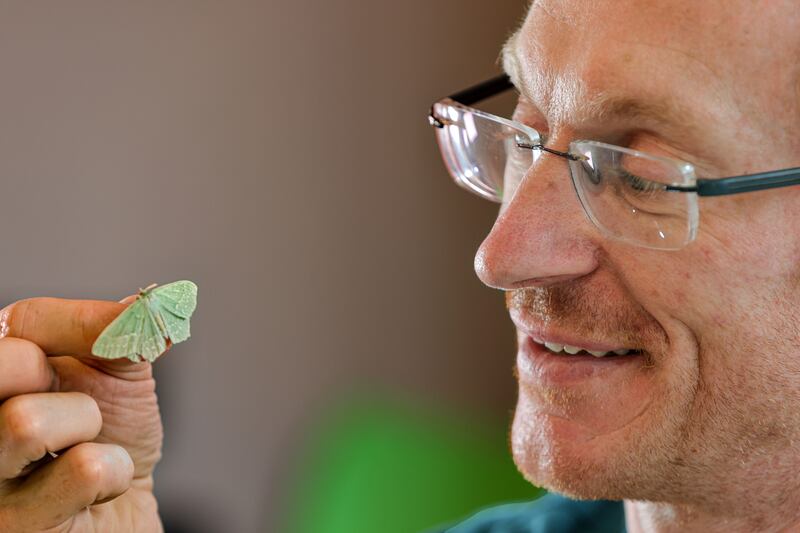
column 542, row 236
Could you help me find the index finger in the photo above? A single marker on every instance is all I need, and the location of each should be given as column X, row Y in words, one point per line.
column 59, row 326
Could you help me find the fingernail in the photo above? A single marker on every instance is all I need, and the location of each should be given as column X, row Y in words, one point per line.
column 5, row 315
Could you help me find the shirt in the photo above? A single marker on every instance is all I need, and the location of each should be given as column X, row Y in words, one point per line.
column 551, row 513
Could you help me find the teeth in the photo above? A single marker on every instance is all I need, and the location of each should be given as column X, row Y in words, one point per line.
column 572, row 350
column 553, row 347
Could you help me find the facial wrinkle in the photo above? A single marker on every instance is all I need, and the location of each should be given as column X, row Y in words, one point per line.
column 566, row 94
column 553, row 92
column 555, row 15
column 717, row 89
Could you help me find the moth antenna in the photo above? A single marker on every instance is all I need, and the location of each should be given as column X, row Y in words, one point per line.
column 142, row 291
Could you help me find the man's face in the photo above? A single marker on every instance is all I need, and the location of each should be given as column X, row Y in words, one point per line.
column 714, row 393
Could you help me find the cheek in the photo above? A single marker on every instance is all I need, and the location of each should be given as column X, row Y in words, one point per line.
column 698, row 297
column 733, row 263
column 671, row 296
column 752, row 236
column 664, row 285
column 728, row 288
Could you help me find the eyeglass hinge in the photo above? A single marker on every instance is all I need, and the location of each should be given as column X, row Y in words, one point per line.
column 436, row 122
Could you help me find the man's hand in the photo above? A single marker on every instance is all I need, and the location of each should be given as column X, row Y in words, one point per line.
column 100, row 417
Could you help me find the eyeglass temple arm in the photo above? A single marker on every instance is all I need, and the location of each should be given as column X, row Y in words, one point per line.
column 475, row 94
column 739, row 184
column 484, row 90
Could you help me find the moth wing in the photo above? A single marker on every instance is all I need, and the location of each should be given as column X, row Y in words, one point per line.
column 151, row 343
column 122, row 337
column 178, row 297
column 177, row 327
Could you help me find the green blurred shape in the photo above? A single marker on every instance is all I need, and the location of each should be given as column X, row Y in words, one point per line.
column 378, row 467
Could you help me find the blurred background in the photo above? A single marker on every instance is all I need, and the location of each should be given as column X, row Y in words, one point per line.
column 347, row 371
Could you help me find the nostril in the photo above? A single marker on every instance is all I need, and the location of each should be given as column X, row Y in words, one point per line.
column 544, row 282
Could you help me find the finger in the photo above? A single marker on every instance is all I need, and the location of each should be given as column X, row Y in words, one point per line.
column 129, row 299
column 59, row 327
column 23, row 368
column 85, row 474
column 33, row 424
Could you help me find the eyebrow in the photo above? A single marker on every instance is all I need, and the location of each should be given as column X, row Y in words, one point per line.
column 510, row 59
column 604, row 106
column 669, row 113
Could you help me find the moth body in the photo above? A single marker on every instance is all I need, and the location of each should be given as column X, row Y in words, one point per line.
column 142, row 330
column 155, row 308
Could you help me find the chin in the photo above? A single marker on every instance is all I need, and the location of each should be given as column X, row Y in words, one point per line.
column 562, row 455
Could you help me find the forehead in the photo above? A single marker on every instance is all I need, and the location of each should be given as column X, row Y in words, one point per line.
column 572, row 55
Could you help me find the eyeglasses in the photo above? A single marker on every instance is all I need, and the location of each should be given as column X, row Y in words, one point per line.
column 642, row 199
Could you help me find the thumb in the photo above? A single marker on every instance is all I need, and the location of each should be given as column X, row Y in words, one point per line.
column 69, row 327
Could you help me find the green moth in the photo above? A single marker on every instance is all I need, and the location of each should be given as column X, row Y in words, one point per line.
column 142, row 330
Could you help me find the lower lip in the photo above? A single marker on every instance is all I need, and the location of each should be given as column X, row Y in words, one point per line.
column 537, row 364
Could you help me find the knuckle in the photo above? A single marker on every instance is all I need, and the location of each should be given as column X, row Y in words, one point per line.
column 88, row 464
column 100, row 470
column 29, row 358
column 21, row 422
column 13, row 343
column 83, row 316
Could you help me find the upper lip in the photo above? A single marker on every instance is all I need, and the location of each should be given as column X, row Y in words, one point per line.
column 541, row 334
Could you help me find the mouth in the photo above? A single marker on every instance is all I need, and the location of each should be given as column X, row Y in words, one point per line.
column 572, row 344
column 541, row 366
column 560, row 358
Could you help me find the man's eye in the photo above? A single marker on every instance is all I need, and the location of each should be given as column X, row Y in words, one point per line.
column 645, row 196
column 638, row 184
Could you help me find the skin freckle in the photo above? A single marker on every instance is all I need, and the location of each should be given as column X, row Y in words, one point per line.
column 719, row 320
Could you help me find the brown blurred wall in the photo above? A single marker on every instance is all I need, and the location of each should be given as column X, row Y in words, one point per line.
column 277, row 153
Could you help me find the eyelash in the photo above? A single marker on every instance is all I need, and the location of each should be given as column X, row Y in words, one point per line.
column 639, row 186
column 634, row 181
